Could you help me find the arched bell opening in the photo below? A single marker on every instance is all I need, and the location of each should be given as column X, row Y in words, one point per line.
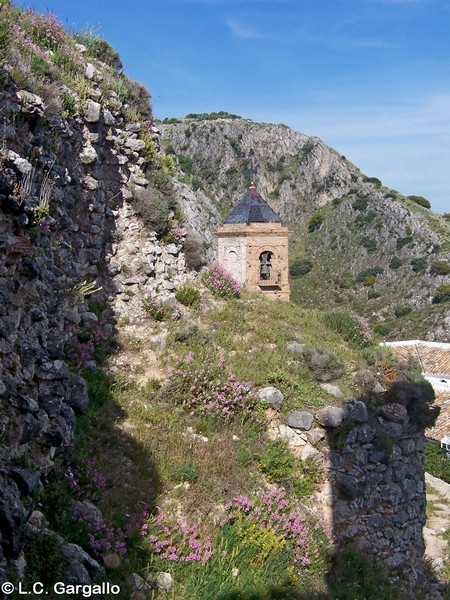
column 265, row 265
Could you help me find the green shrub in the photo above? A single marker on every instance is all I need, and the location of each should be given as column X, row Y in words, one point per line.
column 44, row 559
column 277, row 462
column 442, row 293
column 381, row 329
column 440, row 267
column 403, row 241
column 360, row 204
column 401, row 311
column 347, row 280
column 364, row 218
column 371, row 271
column 353, row 577
column 347, row 326
column 395, row 263
column 300, row 267
column 138, row 97
column 69, row 104
column 373, row 180
column 315, row 222
column 188, row 295
column 372, row 295
column 154, row 209
column 186, row 164
column 100, row 385
column 324, row 365
column 436, row 461
column 419, row 264
column 420, row 200
column 369, row 280
column 5, row 34
column 193, row 252
column 369, row 244
column 103, row 50
column 338, row 201
column 186, row 472
column 100, row 49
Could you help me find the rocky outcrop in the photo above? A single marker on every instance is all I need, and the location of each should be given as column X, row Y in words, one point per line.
column 289, row 166
column 348, row 225
column 70, row 232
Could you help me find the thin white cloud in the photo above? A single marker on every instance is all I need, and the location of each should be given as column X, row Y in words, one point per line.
column 406, row 144
column 240, row 31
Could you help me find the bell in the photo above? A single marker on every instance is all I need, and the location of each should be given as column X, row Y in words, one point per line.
column 265, row 270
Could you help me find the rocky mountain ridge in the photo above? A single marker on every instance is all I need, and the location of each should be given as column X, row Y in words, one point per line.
column 370, row 248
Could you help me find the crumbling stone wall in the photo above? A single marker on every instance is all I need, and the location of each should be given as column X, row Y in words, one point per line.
column 372, row 456
column 65, row 193
column 376, row 473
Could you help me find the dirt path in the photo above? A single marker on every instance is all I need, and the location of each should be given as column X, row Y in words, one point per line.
column 438, row 520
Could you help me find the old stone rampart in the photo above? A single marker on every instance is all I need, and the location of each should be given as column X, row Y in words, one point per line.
column 372, row 456
column 68, row 226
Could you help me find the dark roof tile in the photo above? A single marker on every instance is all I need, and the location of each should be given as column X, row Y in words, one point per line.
column 252, row 208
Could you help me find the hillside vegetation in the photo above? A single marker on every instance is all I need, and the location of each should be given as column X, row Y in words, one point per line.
column 183, row 469
column 369, row 248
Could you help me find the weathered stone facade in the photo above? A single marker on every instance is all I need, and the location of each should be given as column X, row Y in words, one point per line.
column 253, row 247
column 239, row 250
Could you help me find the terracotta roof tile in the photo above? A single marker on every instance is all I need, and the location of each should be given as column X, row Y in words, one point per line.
column 434, row 359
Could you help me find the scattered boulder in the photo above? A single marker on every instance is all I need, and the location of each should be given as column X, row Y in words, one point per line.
column 92, row 113
column 138, row 584
column 56, row 369
column 295, row 347
column 79, row 566
column 77, row 393
column 25, row 479
column 86, row 511
column 333, row 390
column 271, row 396
column 88, row 155
column 316, row 435
column 300, row 419
column 330, row 416
column 163, row 581
column 112, row 561
column 31, row 103
column 287, row 434
column 308, row 453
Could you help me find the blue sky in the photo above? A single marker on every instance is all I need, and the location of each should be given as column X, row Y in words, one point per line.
column 369, row 77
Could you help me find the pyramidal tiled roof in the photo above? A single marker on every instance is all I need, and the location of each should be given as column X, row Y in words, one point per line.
column 252, row 208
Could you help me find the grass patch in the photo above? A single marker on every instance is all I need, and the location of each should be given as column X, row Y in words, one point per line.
column 436, row 461
column 355, row 578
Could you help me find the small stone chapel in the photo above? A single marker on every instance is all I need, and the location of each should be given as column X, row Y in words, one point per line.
column 253, row 247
